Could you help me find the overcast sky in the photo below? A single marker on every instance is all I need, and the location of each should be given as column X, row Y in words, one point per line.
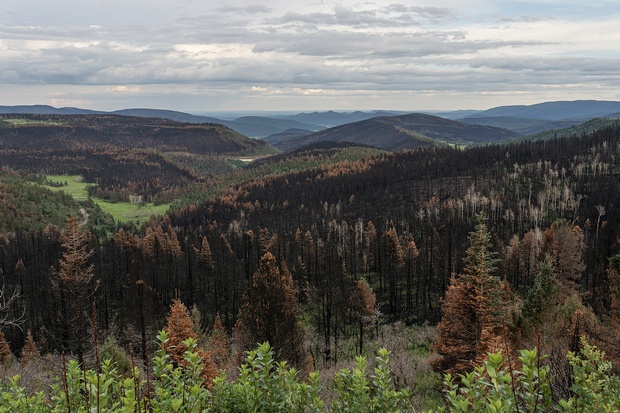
column 208, row 55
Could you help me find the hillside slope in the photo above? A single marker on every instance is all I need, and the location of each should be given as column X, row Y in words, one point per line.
column 149, row 157
column 590, row 126
column 559, row 110
column 520, row 125
column 40, row 132
column 395, row 133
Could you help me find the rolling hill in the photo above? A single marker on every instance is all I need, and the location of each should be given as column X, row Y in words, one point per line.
column 558, row 110
column 401, row 132
column 41, row 132
column 259, row 126
column 331, row 118
column 125, row 156
column 287, row 135
column 166, row 114
column 521, row 126
column 590, row 126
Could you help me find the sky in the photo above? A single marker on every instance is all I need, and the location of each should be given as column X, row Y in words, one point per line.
column 207, row 56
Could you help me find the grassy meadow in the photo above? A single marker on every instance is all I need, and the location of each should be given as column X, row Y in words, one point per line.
column 121, row 211
column 29, row 122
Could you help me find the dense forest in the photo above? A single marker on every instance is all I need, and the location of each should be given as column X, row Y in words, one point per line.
column 503, row 247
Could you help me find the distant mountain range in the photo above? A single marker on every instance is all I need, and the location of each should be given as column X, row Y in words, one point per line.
column 559, row 110
column 532, row 119
column 330, row 118
column 287, row 130
column 252, row 126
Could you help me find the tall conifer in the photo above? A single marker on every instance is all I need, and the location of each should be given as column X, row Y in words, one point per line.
column 473, row 308
column 74, row 284
column 269, row 313
column 5, row 350
column 180, row 327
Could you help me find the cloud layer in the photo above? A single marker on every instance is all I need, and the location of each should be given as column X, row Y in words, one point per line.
column 206, row 56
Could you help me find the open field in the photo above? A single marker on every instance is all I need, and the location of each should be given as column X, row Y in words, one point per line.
column 30, row 122
column 121, row 211
column 71, row 185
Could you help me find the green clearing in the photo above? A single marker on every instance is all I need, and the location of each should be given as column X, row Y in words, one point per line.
column 121, row 211
column 74, row 185
column 30, row 122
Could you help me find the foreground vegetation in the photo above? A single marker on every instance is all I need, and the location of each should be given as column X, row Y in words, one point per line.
column 265, row 385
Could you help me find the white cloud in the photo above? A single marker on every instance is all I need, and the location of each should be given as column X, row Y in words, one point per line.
column 125, row 89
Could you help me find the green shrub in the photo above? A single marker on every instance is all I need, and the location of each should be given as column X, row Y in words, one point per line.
column 354, row 393
column 265, row 385
column 495, row 387
column 595, row 389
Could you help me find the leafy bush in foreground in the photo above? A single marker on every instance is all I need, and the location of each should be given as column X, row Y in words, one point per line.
column 263, row 385
column 495, row 387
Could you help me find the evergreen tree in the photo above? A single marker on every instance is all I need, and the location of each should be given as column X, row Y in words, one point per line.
column 218, row 344
column 30, row 350
column 364, row 306
column 5, row 350
column 74, row 285
column 180, row 327
column 457, row 333
column 473, row 308
column 269, row 313
column 564, row 243
column 542, row 298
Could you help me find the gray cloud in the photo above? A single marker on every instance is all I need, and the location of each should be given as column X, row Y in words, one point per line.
column 394, row 15
column 519, row 19
column 274, row 52
column 249, row 9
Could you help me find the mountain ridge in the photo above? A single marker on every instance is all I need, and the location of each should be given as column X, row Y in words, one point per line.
column 96, row 131
column 522, row 119
column 556, row 110
column 395, row 133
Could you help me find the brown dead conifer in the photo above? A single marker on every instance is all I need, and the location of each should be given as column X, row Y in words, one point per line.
column 5, row 351
column 219, row 344
column 474, row 309
column 180, row 327
column 30, row 350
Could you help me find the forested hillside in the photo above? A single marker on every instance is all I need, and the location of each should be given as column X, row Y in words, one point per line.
column 401, row 132
column 28, row 207
column 521, row 237
column 581, row 129
column 122, row 156
column 28, row 132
